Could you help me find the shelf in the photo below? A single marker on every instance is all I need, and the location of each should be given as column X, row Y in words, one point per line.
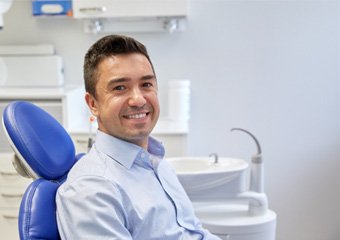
column 36, row 92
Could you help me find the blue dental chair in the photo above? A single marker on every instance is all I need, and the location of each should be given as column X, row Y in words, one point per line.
column 45, row 152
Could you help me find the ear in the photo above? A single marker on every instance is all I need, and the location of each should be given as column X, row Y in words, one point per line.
column 92, row 103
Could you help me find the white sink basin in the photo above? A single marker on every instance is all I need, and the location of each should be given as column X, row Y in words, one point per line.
column 201, row 173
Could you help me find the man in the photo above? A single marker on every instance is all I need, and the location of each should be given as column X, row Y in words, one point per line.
column 122, row 189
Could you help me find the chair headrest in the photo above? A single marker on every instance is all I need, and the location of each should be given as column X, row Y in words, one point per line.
column 43, row 148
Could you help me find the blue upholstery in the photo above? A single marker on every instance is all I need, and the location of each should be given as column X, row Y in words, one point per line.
column 37, row 214
column 42, row 142
column 45, row 152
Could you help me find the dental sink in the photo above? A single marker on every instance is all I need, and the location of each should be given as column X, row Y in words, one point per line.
column 206, row 165
column 228, row 195
column 207, row 176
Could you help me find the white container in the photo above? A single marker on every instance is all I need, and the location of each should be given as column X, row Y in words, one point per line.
column 179, row 100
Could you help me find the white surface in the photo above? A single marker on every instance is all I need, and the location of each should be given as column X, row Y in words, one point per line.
column 35, row 49
column 32, row 71
column 204, row 180
column 34, row 92
column 129, row 8
column 65, row 104
column 179, row 100
column 12, row 188
column 5, row 5
column 167, row 126
column 233, row 219
column 51, row 9
column 206, row 165
column 149, row 25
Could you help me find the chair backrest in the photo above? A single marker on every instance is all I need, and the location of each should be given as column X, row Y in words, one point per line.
column 45, row 152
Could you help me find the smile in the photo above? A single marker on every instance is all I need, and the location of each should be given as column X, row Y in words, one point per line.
column 136, row 116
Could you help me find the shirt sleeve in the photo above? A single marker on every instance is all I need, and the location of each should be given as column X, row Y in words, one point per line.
column 91, row 207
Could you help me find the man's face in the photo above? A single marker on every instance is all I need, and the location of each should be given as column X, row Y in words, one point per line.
column 126, row 103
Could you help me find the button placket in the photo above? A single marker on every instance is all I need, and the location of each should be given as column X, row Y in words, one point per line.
column 176, row 206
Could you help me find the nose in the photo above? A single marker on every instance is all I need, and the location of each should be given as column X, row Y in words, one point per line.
column 137, row 98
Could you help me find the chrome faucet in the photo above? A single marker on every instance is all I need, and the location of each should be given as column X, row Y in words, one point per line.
column 215, row 157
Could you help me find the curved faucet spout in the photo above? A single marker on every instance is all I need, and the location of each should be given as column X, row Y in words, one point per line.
column 250, row 134
column 256, row 173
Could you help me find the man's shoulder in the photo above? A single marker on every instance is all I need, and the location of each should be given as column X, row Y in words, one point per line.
column 91, row 164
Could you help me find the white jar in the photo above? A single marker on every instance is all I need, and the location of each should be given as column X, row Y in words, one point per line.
column 179, row 100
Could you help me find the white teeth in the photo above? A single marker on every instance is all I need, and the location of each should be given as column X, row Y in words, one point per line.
column 136, row 116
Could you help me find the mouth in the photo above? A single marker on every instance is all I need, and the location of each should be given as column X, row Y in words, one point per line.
column 136, row 115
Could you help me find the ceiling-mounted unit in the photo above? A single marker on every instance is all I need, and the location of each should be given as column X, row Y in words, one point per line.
column 131, row 15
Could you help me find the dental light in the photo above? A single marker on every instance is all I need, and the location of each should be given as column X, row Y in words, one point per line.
column 4, row 6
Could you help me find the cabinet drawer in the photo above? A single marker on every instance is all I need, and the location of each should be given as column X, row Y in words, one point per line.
column 11, row 197
column 8, row 175
column 12, row 178
column 9, row 224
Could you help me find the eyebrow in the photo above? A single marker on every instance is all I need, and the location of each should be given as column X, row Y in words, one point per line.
column 117, row 80
column 123, row 79
column 148, row 77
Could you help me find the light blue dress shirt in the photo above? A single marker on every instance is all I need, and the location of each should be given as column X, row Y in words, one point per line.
column 120, row 191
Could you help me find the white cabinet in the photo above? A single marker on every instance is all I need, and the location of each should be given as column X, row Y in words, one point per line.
column 9, row 224
column 12, row 188
column 131, row 15
column 67, row 105
column 129, row 8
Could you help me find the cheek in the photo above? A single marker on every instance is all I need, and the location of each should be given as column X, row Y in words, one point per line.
column 113, row 107
column 154, row 101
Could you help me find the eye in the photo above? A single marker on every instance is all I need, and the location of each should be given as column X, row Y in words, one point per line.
column 119, row 88
column 147, row 85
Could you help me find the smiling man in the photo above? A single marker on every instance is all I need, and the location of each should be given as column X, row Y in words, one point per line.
column 123, row 189
column 125, row 98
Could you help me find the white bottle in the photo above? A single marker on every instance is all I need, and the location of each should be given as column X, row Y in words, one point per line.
column 179, row 100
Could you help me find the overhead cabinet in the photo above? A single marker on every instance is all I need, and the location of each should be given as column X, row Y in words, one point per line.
column 130, row 8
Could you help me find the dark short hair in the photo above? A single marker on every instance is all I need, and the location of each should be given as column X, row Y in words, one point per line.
column 105, row 47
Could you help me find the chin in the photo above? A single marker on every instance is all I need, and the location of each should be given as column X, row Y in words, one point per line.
column 136, row 134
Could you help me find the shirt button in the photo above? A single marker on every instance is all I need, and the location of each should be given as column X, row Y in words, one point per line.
column 142, row 155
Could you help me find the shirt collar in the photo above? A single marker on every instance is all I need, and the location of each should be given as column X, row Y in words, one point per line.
column 125, row 152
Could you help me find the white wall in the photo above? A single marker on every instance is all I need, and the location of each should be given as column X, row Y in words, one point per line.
column 271, row 67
